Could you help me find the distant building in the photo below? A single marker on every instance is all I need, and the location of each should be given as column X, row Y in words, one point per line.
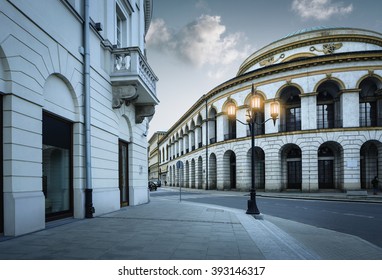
column 76, row 94
column 328, row 83
column 153, row 156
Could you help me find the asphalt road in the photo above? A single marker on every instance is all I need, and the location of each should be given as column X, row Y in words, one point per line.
column 360, row 219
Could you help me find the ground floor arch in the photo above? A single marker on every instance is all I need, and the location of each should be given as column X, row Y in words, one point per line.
column 229, row 170
column 316, row 163
column 259, row 168
column 291, row 168
column 330, row 166
column 370, row 166
column 212, row 172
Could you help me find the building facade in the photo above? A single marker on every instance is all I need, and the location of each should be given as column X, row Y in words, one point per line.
column 328, row 83
column 76, row 94
column 153, row 155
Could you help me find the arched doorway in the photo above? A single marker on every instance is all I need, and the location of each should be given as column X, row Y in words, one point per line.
column 291, row 167
column 213, row 172
column 229, row 171
column 187, row 175
column 193, row 173
column 329, row 166
column 325, row 167
column 200, row 173
column 370, row 162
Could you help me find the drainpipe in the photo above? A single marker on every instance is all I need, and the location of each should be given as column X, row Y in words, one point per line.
column 89, row 209
column 206, row 143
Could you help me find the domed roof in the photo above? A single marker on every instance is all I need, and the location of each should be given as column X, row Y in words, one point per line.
column 306, row 30
column 292, row 45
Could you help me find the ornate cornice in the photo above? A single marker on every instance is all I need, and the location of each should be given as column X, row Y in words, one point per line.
column 329, row 43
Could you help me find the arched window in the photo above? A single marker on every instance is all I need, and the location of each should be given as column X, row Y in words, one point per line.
column 328, row 113
column 230, row 120
column 369, row 103
column 290, row 109
column 212, row 127
column 199, row 131
column 192, row 135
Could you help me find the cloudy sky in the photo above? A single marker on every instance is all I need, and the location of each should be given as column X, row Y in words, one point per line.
column 195, row 45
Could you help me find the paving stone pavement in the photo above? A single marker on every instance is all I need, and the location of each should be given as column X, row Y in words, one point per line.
column 166, row 229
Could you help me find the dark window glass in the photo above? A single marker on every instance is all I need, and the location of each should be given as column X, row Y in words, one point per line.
column 57, row 167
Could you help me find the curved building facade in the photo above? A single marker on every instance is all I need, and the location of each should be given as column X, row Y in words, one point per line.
column 328, row 83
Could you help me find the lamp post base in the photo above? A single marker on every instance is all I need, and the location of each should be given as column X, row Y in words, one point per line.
column 252, row 208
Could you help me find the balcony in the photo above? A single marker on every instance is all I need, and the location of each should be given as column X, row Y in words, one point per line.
column 133, row 80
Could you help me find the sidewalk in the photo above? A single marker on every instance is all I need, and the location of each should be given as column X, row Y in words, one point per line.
column 166, row 229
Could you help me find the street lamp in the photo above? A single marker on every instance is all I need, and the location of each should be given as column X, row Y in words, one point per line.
column 255, row 105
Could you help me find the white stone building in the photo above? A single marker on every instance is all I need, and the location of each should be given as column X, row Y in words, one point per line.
column 76, row 93
column 153, row 155
column 328, row 83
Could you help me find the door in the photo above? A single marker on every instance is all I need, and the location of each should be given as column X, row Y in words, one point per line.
column 326, row 174
column 294, row 174
column 233, row 170
column 124, row 173
column 57, row 167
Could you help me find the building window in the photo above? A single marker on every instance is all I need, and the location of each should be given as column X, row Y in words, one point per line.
column 328, row 106
column 122, row 26
column 290, row 110
column 325, row 110
column 119, row 31
column 57, row 167
column 212, row 126
column 231, row 130
column 369, row 104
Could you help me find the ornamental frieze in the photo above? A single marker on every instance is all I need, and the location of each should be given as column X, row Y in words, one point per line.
column 327, row 48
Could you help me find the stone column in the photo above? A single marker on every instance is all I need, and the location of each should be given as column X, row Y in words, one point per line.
column 350, row 107
column 351, row 168
column 309, row 111
column 220, row 120
column 24, row 202
column 272, row 168
column 309, row 162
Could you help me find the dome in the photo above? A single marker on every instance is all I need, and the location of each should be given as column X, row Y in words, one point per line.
column 309, row 42
column 306, row 30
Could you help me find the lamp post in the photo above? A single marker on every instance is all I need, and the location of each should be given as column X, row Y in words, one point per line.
column 255, row 106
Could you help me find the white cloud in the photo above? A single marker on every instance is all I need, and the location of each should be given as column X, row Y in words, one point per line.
column 320, row 9
column 201, row 42
column 158, row 35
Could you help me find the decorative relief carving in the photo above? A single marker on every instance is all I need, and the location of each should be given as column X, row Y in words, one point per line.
column 124, row 94
column 271, row 60
column 327, row 48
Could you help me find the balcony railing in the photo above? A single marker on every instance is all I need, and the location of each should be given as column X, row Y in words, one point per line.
column 129, row 67
column 230, row 136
